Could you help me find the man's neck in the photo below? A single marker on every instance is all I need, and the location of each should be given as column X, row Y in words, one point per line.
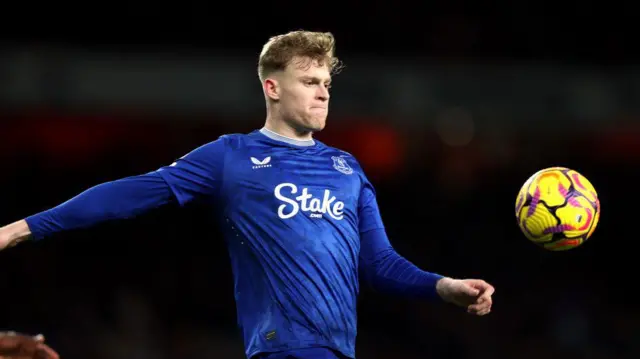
column 282, row 129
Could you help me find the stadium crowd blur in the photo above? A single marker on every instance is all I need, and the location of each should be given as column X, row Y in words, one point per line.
column 448, row 118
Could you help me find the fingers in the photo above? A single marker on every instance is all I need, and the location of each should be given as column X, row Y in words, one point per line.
column 485, row 289
column 46, row 352
column 474, row 294
column 488, row 290
column 483, row 303
column 481, row 285
column 479, row 309
column 471, row 291
column 17, row 346
column 486, row 296
column 43, row 350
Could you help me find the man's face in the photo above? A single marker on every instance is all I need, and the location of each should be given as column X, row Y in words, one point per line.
column 304, row 94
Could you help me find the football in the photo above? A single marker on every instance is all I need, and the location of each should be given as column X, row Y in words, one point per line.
column 557, row 209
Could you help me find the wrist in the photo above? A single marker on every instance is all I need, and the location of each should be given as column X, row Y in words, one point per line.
column 14, row 233
column 442, row 286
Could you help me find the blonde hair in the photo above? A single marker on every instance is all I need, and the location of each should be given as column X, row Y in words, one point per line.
column 280, row 50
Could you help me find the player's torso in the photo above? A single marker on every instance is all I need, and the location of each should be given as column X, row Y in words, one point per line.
column 301, row 188
column 291, row 221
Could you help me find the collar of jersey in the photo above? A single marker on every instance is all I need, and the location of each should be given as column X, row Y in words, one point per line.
column 283, row 139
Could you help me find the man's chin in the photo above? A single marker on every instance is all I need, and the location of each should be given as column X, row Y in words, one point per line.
column 317, row 127
column 311, row 126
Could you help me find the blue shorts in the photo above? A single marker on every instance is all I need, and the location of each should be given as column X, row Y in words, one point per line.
column 306, row 353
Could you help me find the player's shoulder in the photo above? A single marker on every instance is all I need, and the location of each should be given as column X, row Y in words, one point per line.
column 341, row 157
column 334, row 151
column 231, row 141
column 217, row 148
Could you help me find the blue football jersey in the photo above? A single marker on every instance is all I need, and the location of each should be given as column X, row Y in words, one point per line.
column 292, row 213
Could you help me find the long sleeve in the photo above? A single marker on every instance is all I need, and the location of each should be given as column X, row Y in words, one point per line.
column 388, row 272
column 121, row 199
column 381, row 266
column 195, row 175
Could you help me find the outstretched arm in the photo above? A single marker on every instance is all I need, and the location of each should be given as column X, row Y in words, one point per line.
column 197, row 174
column 121, row 199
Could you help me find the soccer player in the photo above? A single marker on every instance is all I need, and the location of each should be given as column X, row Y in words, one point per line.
column 299, row 217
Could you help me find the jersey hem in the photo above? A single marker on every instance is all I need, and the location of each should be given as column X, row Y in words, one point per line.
column 287, row 348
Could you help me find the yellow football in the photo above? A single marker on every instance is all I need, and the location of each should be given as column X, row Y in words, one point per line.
column 557, row 208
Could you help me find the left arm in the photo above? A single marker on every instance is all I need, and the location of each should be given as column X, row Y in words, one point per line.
column 388, row 272
column 381, row 266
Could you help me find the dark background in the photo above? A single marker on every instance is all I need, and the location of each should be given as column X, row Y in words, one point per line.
column 449, row 107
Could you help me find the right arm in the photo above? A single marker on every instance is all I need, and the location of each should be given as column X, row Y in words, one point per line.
column 194, row 175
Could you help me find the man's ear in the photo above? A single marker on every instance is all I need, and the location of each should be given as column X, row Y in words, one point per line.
column 272, row 88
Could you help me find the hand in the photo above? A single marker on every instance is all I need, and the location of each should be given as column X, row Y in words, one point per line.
column 13, row 234
column 6, row 241
column 473, row 294
column 20, row 346
column 4, row 238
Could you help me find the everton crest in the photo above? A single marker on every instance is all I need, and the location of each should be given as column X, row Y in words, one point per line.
column 341, row 165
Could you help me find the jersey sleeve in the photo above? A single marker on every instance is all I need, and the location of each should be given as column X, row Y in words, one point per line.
column 197, row 174
column 120, row 199
column 368, row 211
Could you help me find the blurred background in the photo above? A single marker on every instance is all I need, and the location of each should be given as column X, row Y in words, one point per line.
column 449, row 107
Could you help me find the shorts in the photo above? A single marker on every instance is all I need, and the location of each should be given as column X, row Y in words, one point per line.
column 306, row 353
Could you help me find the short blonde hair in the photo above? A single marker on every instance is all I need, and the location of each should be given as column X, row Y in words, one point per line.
column 278, row 52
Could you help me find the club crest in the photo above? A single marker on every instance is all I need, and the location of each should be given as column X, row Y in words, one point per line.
column 340, row 164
